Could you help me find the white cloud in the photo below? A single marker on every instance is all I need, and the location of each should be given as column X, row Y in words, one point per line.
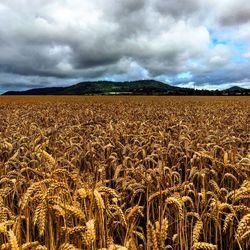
column 247, row 55
column 219, row 56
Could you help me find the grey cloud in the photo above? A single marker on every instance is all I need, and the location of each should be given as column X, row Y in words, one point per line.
column 230, row 74
column 182, row 8
column 121, row 8
column 235, row 13
column 33, row 60
column 106, row 43
column 105, row 39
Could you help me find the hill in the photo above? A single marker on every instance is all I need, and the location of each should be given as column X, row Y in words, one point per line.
column 141, row 87
column 103, row 88
column 236, row 90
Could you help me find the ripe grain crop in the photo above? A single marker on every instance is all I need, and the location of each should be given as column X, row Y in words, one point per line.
column 124, row 173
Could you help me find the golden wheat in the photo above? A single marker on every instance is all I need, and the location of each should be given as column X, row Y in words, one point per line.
column 124, row 173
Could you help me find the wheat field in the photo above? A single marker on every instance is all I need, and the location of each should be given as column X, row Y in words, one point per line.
column 124, row 173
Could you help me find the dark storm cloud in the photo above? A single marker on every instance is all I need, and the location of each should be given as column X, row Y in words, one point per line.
column 54, row 41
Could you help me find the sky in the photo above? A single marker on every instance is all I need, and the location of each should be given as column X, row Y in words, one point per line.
column 187, row 43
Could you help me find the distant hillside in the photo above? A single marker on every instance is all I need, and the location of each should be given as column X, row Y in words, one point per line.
column 103, row 87
column 236, row 89
column 142, row 87
column 38, row 91
column 108, row 87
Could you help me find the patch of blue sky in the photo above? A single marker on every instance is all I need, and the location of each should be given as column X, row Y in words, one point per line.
column 238, row 48
column 194, row 61
column 238, row 51
column 163, row 78
column 236, row 44
column 239, row 59
column 184, row 75
column 216, row 41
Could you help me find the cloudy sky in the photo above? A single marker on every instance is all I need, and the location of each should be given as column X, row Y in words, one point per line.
column 201, row 43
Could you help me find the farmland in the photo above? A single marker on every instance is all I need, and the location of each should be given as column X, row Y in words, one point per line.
column 124, row 173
